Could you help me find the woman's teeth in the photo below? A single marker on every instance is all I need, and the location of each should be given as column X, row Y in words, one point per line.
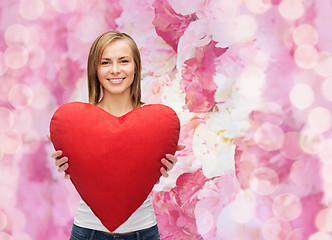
column 115, row 80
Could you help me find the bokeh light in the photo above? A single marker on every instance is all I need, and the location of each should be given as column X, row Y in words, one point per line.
column 292, row 148
column 251, row 82
column 11, row 141
column 41, row 96
column 16, row 56
column 326, row 172
column 6, row 119
column 323, row 220
column 296, row 234
column 20, row 96
column 31, row 9
column 258, row 6
column 244, row 27
column 269, row 137
column 325, row 150
column 291, row 9
column 64, row 6
column 3, row 65
column 264, row 181
column 305, row 34
column 306, row 56
column 320, row 236
column 37, row 56
column 301, row 96
column 17, row 34
column 310, row 141
column 287, row 206
column 242, row 209
column 275, row 229
column 324, row 65
column 320, row 119
column 327, row 88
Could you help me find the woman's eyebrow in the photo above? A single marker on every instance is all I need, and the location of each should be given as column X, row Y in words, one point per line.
column 105, row 58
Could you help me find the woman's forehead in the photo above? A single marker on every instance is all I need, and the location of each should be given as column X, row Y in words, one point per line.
column 118, row 48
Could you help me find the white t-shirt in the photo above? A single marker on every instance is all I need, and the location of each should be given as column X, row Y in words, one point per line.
column 144, row 217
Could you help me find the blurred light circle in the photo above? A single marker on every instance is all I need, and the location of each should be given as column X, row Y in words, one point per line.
column 305, row 34
column 287, row 207
column 320, row 119
column 3, row 65
column 20, row 96
column 23, row 120
column 243, row 28
column 31, row 9
column 269, row 137
column 264, row 181
column 204, row 220
column 11, row 141
column 250, row 82
column 301, row 96
column 324, row 65
column 296, row 234
column 6, row 119
column 41, row 96
column 326, row 173
column 5, row 236
column 325, row 150
column 320, row 236
column 327, row 88
column 291, row 148
column 301, row 173
column 16, row 56
column 241, row 210
column 3, row 220
column 310, row 141
column 306, row 56
column 258, row 6
column 31, row 141
column 275, row 229
column 37, row 56
column 291, row 9
column 17, row 34
column 271, row 112
column 64, row 6
column 323, row 220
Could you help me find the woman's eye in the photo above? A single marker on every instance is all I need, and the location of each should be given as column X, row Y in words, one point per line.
column 124, row 61
column 104, row 63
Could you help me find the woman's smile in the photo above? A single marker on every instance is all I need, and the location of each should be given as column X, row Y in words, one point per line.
column 116, row 80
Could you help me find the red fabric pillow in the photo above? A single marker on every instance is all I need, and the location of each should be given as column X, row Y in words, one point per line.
column 114, row 162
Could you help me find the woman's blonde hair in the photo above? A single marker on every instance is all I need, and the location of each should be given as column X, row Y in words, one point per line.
column 95, row 55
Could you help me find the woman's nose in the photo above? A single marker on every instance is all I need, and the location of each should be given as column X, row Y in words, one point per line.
column 115, row 68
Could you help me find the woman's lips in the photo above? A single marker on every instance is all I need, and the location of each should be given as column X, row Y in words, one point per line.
column 116, row 80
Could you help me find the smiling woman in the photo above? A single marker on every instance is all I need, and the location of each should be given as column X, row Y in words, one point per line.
column 114, row 67
column 116, row 70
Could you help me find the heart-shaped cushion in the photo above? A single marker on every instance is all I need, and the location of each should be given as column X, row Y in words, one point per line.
column 114, row 162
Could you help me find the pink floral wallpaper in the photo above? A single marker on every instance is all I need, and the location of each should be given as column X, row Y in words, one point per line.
column 251, row 81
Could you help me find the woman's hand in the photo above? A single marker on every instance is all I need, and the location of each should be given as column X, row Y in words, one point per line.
column 60, row 162
column 170, row 161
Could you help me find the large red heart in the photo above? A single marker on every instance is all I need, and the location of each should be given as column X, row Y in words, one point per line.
column 114, row 162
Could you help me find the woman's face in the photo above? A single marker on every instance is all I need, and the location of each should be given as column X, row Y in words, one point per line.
column 116, row 69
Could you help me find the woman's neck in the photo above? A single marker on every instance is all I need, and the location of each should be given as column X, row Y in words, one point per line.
column 116, row 105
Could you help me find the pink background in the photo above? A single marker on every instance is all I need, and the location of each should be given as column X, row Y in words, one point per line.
column 251, row 82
